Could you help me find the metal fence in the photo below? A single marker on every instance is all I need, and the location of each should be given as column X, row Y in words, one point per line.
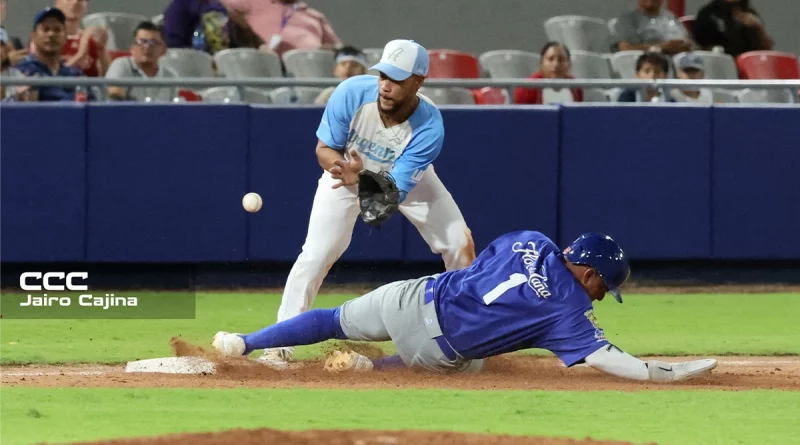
column 508, row 84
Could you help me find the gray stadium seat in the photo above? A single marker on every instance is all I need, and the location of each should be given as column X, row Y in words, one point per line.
column 247, row 62
column 717, row 66
column 295, row 95
column 509, row 63
column 309, row 62
column 595, row 95
column 624, row 63
column 234, row 95
column 120, row 27
column 759, row 96
column 725, row 96
column 579, row 32
column 449, row 96
column 158, row 20
column 589, row 65
column 188, row 62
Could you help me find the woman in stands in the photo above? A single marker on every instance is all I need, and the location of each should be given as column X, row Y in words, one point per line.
column 733, row 25
column 555, row 64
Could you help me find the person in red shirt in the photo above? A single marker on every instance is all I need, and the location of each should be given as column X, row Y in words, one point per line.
column 555, row 64
column 85, row 49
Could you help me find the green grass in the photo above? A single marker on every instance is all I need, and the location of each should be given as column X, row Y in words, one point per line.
column 672, row 418
column 754, row 324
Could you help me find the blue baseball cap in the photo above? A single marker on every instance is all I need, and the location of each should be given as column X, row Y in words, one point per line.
column 402, row 58
column 603, row 254
column 48, row 12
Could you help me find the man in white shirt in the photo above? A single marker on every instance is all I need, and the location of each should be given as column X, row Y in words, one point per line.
column 147, row 48
column 691, row 67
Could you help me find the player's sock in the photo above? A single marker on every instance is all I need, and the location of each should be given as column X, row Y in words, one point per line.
column 307, row 328
column 390, row 362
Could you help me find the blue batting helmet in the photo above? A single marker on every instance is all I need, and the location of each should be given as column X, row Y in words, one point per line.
column 603, row 254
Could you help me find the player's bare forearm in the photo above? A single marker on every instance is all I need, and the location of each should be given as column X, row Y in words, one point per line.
column 327, row 156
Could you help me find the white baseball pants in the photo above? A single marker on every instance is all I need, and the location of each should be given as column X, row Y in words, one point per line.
column 429, row 206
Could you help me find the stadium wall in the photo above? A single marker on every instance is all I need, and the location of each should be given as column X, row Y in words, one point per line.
column 163, row 183
column 468, row 25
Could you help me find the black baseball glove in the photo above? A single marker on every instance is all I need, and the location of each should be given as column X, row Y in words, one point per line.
column 378, row 197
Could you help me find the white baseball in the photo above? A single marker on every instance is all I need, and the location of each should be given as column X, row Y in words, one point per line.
column 252, row 202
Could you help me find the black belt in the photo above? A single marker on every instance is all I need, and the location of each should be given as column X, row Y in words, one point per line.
column 447, row 350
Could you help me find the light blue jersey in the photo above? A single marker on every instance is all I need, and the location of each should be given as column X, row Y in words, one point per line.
column 352, row 121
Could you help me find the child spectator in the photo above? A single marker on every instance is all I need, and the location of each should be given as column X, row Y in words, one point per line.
column 350, row 61
column 555, row 64
column 649, row 66
column 692, row 67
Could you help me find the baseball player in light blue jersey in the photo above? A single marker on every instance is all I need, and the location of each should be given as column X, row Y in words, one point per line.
column 521, row 292
column 381, row 124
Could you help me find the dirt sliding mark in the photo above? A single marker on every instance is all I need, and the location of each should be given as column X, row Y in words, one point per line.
column 516, row 371
column 333, row 437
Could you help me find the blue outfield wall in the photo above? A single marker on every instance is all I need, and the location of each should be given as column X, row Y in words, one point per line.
column 163, row 183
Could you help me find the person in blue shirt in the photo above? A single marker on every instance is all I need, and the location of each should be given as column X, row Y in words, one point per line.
column 381, row 124
column 49, row 35
column 521, row 292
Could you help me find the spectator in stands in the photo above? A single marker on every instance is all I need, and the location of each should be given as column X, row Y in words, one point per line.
column 147, row 48
column 48, row 36
column 350, row 61
column 16, row 51
column 84, row 49
column 648, row 66
column 692, row 67
column 9, row 72
column 199, row 24
column 650, row 27
column 555, row 63
column 733, row 25
column 284, row 24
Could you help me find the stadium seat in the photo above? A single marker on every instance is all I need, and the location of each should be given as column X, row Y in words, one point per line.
column 234, row 95
column 490, row 96
column 768, row 65
column 688, row 22
column 189, row 95
column 120, row 27
column 116, row 54
column 158, row 20
column 449, row 96
column 295, row 95
column 247, row 62
column 188, row 62
column 595, row 95
column 451, row 64
column 725, row 96
column 759, row 96
column 624, row 63
column 309, row 63
column 589, row 65
column 579, row 32
column 509, row 63
column 717, row 66
column 373, row 55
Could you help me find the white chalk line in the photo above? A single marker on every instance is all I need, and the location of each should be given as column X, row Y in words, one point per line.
column 35, row 373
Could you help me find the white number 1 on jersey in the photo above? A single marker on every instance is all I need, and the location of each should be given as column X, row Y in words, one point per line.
column 514, row 280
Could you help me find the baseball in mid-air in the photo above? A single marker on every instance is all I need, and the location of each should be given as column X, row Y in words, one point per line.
column 252, row 202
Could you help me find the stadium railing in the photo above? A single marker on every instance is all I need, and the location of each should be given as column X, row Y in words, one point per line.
column 508, row 84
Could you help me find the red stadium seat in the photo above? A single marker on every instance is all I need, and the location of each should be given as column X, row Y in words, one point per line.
column 190, row 96
column 117, row 53
column 768, row 65
column 688, row 22
column 451, row 64
column 490, row 96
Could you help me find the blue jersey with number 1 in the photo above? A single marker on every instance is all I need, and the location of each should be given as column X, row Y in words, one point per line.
column 517, row 294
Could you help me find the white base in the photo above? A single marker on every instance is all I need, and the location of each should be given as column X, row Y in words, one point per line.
column 172, row 365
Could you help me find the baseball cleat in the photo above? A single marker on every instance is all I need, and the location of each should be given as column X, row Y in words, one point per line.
column 229, row 345
column 698, row 367
column 277, row 358
column 347, row 361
